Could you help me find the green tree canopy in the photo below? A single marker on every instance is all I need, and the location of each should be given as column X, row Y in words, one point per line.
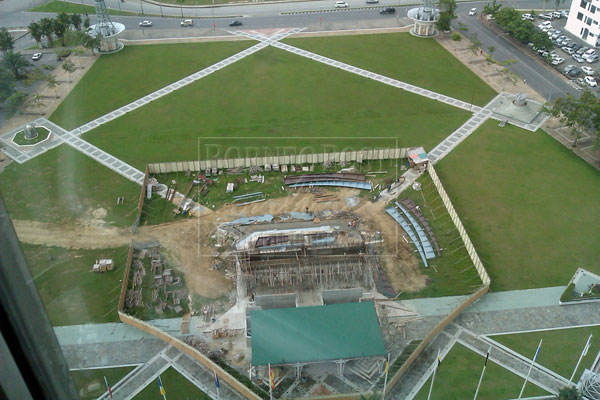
column 6, row 41
column 580, row 115
column 447, row 14
column 16, row 63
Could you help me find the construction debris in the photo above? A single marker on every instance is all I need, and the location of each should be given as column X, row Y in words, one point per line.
column 105, row 264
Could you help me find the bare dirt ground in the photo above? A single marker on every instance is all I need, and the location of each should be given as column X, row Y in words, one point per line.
column 189, row 242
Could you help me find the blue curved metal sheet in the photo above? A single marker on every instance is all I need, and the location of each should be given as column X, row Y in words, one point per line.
column 411, row 234
column 427, row 248
column 350, row 184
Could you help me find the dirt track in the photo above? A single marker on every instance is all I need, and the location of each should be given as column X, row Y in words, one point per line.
column 189, row 241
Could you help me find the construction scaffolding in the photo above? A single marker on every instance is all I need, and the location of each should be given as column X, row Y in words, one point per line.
column 308, row 273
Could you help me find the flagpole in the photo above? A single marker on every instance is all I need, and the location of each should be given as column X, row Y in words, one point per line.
column 433, row 377
column 387, row 367
column 487, row 356
column 217, row 384
column 530, row 368
column 108, row 387
column 583, row 353
column 270, row 384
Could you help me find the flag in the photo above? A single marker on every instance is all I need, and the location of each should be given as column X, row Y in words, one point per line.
column 271, row 378
column 160, row 386
column 537, row 351
column 216, row 379
column 486, row 358
column 587, row 346
column 108, row 387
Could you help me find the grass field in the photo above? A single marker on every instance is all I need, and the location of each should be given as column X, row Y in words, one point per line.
column 453, row 273
column 63, row 185
column 424, row 63
column 457, row 377
column 118, row 79
column 529, row 204
column 176, row 387
column 91, row 378
column 72, row 293
column 560, row 348
column 57, row 6
column 284, row 99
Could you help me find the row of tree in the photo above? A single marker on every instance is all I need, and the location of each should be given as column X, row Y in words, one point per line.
column 59, row 26
column 524, row 31
column 579, row 115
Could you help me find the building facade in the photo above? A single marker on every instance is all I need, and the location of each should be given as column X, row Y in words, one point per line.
column 584, row 19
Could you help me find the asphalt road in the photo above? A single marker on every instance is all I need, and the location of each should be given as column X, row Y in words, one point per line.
column 306, row 13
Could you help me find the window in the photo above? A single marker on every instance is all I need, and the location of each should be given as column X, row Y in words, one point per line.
column 583, row 4
column 580, row 16
column 593, row 9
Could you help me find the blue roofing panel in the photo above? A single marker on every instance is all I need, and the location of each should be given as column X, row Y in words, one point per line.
column 411, row 234
column 427, row 248
column 350, row 184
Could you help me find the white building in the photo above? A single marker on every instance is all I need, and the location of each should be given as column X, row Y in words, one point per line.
column 584, row 17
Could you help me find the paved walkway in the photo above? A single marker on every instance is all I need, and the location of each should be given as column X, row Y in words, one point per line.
column 146, row 374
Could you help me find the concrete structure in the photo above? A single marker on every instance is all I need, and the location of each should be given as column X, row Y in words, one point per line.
column 424, row 18
column 583, row 21
column 30, row 132
column 107, row 30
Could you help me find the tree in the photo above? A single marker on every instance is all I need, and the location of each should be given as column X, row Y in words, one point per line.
column 69, row 67
column 34, row 75
column 36, row 32
column 15, row 62
column 37, row 101
column 86, row 22
column 14, row 101
column 447, row 14
column 508, row 75
column 474, row 46
column 7, row 83
column 52, row 83
column 569, row 393
column 6, row 41
column 76, row 21
column 60, row 27
column 489, row 58
column 462, row 27
column 91, row 43
column 492, row 8
column 79, row 52
column 47, row 27
column 579, row 115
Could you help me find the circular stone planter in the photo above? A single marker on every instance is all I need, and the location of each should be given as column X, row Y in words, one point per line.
column 43, row 134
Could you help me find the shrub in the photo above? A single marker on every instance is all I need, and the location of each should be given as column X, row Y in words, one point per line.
column 456, row 37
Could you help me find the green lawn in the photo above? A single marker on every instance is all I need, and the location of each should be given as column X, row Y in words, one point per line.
column 560, row 348
column 529, row 204
column 72, row 293
column 424, row 63
column 42, row 134
column 453, row 273
column 176, row 387
column 284, row 99
column 94, row 379
column 457, row 378
column 58, row 6
column 63, row 185
column 118, row 79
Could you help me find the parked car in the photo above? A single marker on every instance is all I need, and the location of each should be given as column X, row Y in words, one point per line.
column 387, row 10
column 568, row 50
column 587, row 70
column 472, row 11
column 592, row 59
column 372, row 1
column 578, row 58
column 187, row 22
column 564, row 13
column 557, row 61
column 590, row 81
column 580, row 82
column 341, row 4
column 556, row 14
column 574, row 72
column 547, row 17
column 36, row 56
column 582, row 50
column 569, row 67
column 527, row 17
column 146, row 24
column 235, row 23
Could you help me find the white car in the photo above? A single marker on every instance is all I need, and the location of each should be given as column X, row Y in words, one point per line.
column 587, row 70
column 527, row 17
column 591, row 82
column 341, row 4
column 145, row 24
column 187, row 22
column 557, row 61
column 472, row 11
column 36, row 56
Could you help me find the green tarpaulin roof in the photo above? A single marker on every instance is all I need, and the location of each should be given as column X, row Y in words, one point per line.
column 305, row 334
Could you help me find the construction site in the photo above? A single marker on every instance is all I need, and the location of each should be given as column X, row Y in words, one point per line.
column 304, row 284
